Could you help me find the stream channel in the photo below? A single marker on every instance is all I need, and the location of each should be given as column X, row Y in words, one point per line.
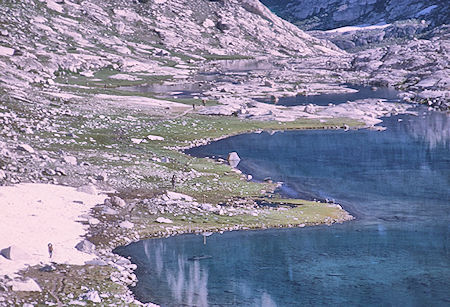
column 396, row 252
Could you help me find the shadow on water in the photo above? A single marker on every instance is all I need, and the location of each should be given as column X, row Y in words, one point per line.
column 396, row 253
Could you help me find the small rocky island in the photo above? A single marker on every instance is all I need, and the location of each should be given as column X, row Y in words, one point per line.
column 100, row 100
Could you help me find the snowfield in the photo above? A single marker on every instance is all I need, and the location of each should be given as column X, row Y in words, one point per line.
column 33, row 215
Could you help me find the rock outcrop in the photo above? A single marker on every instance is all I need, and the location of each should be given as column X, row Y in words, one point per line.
column 329, row 14
column 136, row 36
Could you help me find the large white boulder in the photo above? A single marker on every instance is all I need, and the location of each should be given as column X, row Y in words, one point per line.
column 126, row 225
column 177, row 196
column 155, row 137
column 92, row 296
column 233, row 159
column 164, row 220
column 85, row 246
column 14, row 253
column 25, row 147
column 89, row 189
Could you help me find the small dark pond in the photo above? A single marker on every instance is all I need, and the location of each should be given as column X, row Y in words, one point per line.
column 397, row 182
column 179, row 90
column 363, row 92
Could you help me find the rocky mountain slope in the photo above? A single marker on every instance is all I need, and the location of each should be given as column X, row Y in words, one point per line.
column 42, row 38
column 329, row 14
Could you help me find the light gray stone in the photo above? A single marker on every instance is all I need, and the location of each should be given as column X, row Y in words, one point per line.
column 92, row 296
column 233, row 159
column 85, row 246
column 116, row 201
column 26, row 147
column 89, row 189
column 178, row 196
column 98, row 262
column 126, row 225
column 164, row 220
column 70, row 160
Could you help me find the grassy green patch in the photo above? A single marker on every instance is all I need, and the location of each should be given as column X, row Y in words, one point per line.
column 299, row 215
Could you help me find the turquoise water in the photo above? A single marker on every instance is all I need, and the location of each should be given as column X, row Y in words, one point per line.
column 397, row 251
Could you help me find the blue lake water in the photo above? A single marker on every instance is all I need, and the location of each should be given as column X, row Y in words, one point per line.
column 363, row 92
column 397, row 251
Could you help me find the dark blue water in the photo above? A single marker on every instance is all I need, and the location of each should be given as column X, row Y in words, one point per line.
column 363, row 92
column 397, row 252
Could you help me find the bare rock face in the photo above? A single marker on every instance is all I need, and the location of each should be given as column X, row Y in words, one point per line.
column 229, row 27
column 329, row 14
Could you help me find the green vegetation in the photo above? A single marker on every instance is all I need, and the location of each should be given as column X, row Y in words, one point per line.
column 286, row 215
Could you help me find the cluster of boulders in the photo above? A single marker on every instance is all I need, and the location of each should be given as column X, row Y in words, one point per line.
column 419, row 67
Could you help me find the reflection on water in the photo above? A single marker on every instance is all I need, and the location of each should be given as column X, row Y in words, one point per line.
column 396, row 253
column 434, row 131
column 363, row 92
column 338, row 265
column 184, row 281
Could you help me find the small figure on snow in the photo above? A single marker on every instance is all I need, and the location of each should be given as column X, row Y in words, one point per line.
column 50, row 250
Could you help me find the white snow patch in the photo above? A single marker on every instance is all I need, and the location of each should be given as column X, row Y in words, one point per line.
column 359, row 28
column 33, row 215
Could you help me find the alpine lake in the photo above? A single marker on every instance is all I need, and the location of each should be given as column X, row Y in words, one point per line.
column 396, row 252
